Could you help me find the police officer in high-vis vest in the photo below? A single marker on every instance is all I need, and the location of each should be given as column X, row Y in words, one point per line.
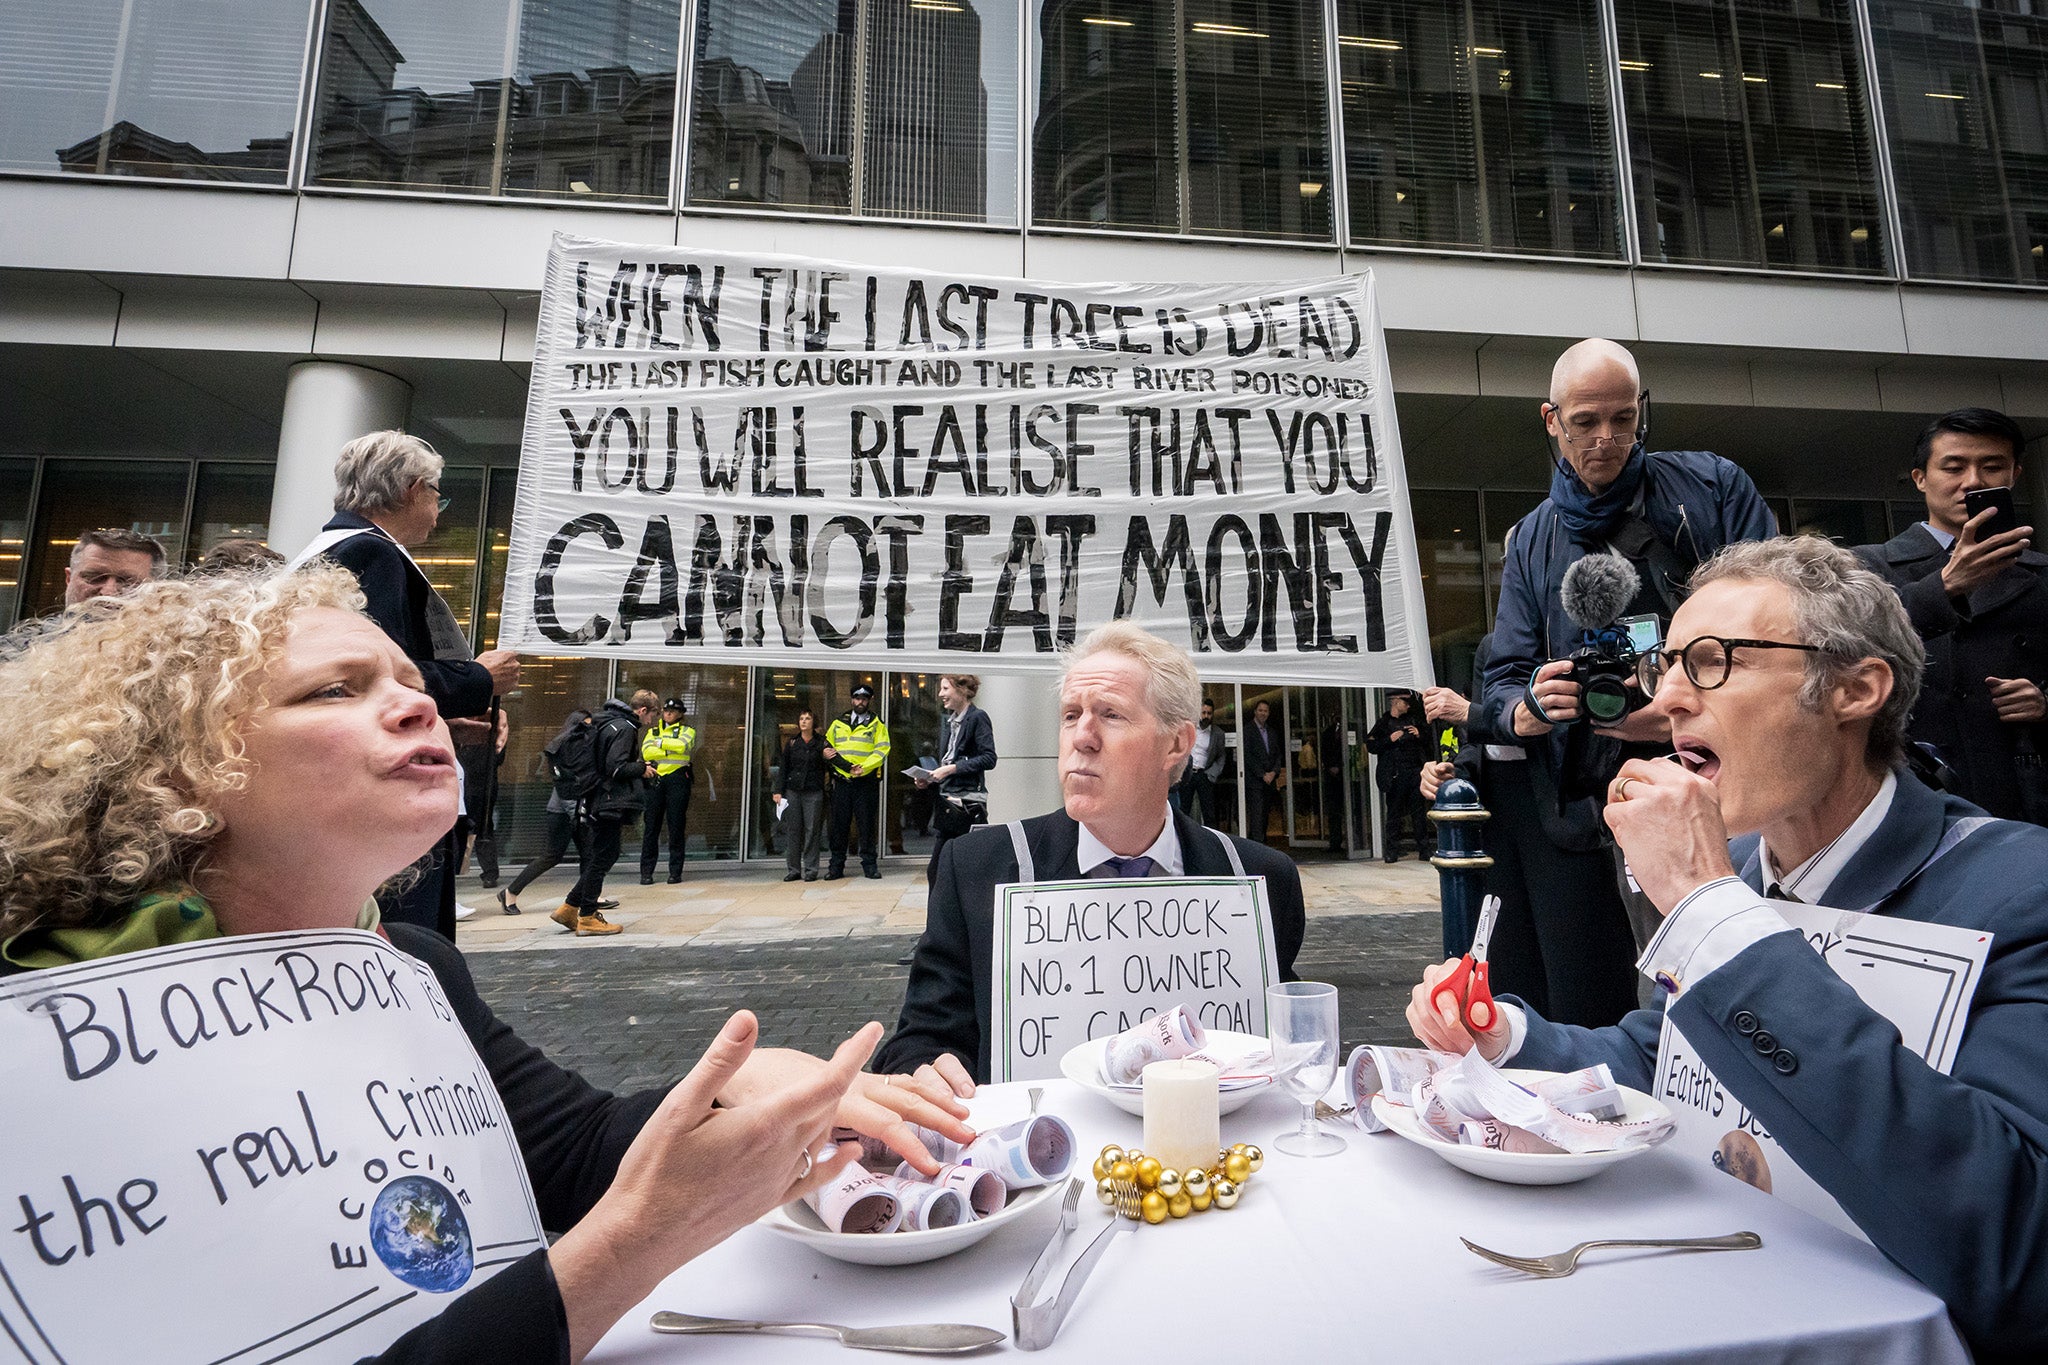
column 856, row 745
column 669, row 749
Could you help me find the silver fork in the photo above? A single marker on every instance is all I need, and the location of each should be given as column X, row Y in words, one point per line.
column 1325, row 1111
column 1565, row 1262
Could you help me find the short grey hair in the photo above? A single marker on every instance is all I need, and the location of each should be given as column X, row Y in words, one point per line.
column 374, row 473
column 1173, row 690
column 1848, row 612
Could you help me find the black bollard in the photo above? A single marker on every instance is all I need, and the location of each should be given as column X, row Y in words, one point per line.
column 1460, row 859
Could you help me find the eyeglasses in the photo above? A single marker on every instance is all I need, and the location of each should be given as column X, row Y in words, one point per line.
column 441, row 504
column 1708, row 661
column 1641, row 433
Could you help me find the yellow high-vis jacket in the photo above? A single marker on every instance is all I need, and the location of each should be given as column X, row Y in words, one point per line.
column 862, row 742
column 669, row 747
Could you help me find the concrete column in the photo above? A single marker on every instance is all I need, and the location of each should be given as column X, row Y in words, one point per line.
column 1024, row 710
column 327, row 404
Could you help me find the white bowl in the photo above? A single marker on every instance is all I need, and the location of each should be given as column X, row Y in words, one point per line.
column 1083, row 1066
column 795, row 1221
column 1523, row 1168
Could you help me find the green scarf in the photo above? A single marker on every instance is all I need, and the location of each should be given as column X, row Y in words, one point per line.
column 176, row 914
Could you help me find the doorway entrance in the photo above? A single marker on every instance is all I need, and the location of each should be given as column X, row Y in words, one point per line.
column 1322, row 801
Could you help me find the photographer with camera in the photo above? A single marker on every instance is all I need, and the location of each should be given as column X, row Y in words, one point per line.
column 1563, row 653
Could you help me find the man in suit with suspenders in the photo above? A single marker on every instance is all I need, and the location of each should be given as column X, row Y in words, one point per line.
column 1128, row 703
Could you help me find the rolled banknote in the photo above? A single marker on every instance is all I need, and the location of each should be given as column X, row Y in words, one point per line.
column 1591, row 1092
column 1390, row 1071
column 1473, row 1087
column 926, row 1206
column 1161, row 1038
column 1033, row 1151
column 982, row 1189
column 856, row 1202
column 877, row 1155
column 1501, row 1137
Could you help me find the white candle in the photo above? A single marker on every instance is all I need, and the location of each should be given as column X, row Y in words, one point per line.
column 1181, row 1127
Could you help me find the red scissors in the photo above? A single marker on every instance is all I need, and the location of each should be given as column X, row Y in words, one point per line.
column 1467, row 983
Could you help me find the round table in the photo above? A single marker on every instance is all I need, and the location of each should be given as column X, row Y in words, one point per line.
column 1355, row 1257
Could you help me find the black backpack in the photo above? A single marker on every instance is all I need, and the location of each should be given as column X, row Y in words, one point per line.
column 572, row 761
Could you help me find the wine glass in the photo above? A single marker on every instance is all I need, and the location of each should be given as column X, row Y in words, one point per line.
column 1301, row 1022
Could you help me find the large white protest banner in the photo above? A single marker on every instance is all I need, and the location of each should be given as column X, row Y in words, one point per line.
column 773, row 459
column 248, row 1149
column 1080, row 960
column 1919, row 976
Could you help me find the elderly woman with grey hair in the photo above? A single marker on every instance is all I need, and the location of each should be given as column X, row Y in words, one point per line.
column 387, row 500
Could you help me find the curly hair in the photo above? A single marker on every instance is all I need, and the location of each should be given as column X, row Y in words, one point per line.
column 125, row 725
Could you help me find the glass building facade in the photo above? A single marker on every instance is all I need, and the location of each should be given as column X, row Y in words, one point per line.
column 1883, row 138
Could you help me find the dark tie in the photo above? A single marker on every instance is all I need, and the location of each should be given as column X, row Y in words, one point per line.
column 1778, row 893
column 1140, row 866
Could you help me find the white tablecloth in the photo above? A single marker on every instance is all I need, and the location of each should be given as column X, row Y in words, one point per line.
column 1355, row 1256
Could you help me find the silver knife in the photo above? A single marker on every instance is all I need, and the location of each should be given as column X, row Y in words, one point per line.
column 918, row 1339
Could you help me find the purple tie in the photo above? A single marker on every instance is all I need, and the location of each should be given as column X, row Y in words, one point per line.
column 1140, row 866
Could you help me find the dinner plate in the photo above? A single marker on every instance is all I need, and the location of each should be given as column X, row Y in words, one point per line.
column 1523, row 1168
column 795, row 1221
column 1083, row 1066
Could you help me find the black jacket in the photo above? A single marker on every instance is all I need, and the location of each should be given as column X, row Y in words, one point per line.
column 1259, row 759
column 2000, row 632
column 397, row 593
column 1400, row 765
column 946, row 1001
column 618, row 758
column 976, row 754
column 803, row 765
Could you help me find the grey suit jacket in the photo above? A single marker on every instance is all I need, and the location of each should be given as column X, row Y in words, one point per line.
column 1947, row 1175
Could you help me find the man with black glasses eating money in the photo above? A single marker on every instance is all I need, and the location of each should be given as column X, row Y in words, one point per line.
column 1786, row 681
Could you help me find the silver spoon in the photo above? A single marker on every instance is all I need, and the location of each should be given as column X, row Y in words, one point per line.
column 918, row 1339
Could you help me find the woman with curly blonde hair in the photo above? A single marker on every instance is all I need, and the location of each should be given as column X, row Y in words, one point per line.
column 249, row 754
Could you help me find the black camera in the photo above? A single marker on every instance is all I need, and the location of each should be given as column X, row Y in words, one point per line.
column 1604, row 667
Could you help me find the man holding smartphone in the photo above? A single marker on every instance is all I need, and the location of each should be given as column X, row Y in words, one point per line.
column 1977, row 593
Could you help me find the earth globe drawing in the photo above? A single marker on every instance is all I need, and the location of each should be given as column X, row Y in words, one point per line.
column 418, row 1231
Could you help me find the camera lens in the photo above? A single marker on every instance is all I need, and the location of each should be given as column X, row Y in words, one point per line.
column 1606, row 700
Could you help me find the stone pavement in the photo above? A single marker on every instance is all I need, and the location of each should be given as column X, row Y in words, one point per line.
column 815, row 962
column 721, row 903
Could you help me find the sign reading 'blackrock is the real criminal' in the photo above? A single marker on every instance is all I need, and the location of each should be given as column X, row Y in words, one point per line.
column 773, row 459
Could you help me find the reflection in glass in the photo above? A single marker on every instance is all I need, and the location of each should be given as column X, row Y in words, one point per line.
column 1447, row 544
column 1192, row 116
column 179, row 89
column 779, row 695
column 550, row 686
column 17, row 484
column 501, row 97
column 714, row 701
column 1844, row 521
column 1965, row 92
column 450, row 554
column 913, row 716
column 1749, row 134
column 81, row 495
column 888, row 108
column 1504, row 507
column 1478, row 123
column 230, row 501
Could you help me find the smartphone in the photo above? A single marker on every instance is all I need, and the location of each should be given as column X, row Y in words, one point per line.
column 2003, row 518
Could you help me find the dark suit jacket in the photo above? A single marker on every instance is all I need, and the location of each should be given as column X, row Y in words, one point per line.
column 1947, row 1175
column 398, row 591
column 2000, row 632
column 946, row 1002
column 976, row 754
column 1258, row 757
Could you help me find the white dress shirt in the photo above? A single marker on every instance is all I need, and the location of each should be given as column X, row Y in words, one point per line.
column 1706, row 930
column 1092, row 854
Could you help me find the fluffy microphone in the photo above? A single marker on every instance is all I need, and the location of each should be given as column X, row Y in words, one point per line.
column 1598, row 589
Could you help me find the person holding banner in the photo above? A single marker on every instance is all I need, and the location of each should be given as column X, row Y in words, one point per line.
column 856, row 747
column 250, row 755
column 1128, row 702
column 1787, row 679
column 387, row 501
